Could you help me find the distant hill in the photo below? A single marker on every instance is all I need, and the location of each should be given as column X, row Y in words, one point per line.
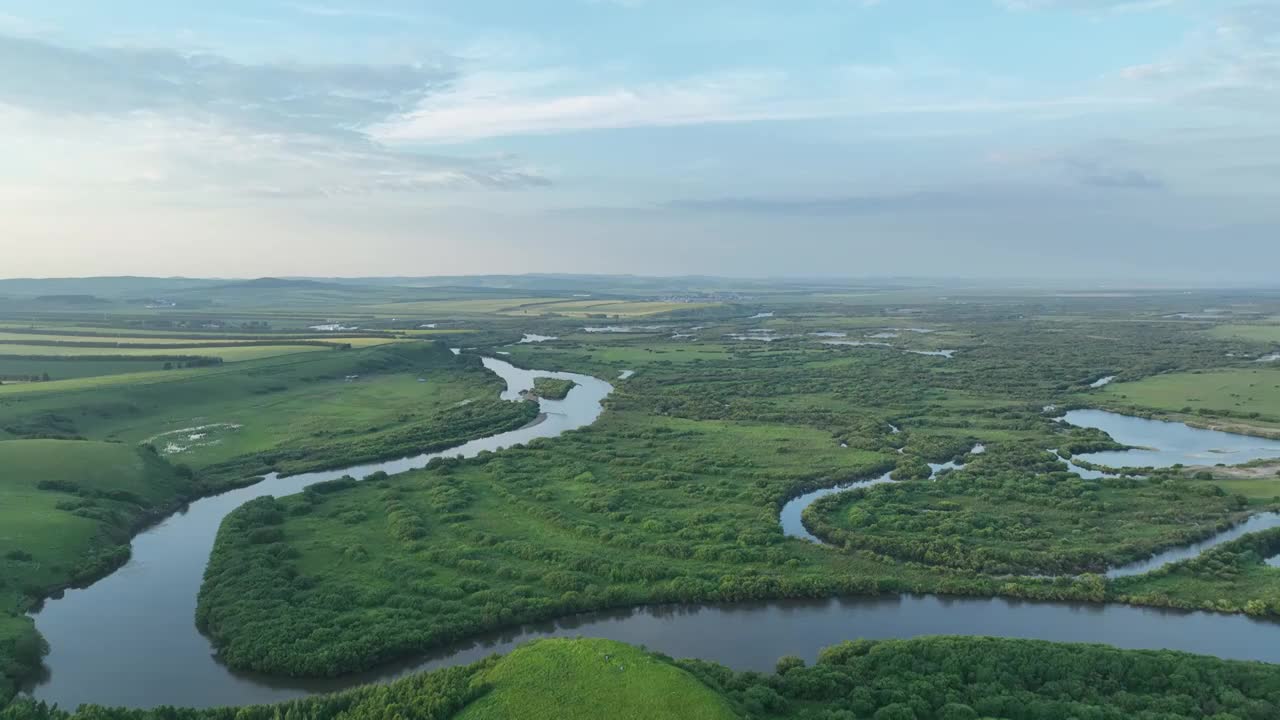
column 271, row 283
column 111, row 288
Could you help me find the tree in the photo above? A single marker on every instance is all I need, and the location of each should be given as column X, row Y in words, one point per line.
column 957, row 711
column 895, row 711
column 787, row 663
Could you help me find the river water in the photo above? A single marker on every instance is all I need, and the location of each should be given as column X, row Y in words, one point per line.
column 1159, row 443
column 130, row 638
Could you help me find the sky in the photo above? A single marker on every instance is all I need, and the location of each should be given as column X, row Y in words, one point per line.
column 1090, row 139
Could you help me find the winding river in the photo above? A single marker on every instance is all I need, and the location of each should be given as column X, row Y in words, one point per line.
column 130, row 638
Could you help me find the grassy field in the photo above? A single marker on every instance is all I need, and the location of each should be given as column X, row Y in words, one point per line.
column 67, row 510
column 1242, row 394
column 285, row 413
column 66, row 368
column 609, row 308
column 31, row 519
column 1252, row 333
column 125, row 340
column 1233, row 577
column 589, row 679
column 443, row 308
column 69, row 506
column 1054, row 523
column 229, row 353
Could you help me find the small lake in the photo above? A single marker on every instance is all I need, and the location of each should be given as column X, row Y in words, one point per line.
column 1161, row 444
column 1102, row 381
column 623, row 328
column 535, row 338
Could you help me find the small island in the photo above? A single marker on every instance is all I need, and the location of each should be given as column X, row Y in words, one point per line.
column 552, row 389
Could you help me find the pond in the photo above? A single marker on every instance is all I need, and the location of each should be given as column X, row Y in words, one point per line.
column 1161, row 444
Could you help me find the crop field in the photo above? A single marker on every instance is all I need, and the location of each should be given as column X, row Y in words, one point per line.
column 228, row 353
column 608, row 308
column 435, row 309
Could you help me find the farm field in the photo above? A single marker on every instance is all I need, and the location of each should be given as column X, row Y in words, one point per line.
column 228, row 353
column 608, row 308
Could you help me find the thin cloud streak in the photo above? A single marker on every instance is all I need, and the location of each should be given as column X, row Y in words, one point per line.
column 493, row 106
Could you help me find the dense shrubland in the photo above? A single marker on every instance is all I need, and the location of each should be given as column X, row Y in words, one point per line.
column 673, row 496
column 935, row 678
column 1015, row 509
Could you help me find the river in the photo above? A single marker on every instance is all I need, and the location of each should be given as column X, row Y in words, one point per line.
column 130, row 638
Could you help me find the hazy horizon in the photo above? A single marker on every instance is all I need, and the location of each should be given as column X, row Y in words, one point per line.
column 1086, row 141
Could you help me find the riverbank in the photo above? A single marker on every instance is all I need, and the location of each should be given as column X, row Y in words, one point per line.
column 951, row 678
column 166, row 568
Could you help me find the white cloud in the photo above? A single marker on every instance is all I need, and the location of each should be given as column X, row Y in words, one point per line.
column 1094, row 5
column 172, row 125
column 498, row 104
column 495, row 104
column 1234, row 65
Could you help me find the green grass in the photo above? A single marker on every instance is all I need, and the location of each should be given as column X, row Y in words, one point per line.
column 552, row 389
column 1015, row 510
column 674, row 494
column 67, row 510
column 31, row 519
column 610, row 308
column 432, row 309
column 940, row 678
column 287, row 413
column 1244, row 395
column 229, row 353
column 589, row 679
column 1232, row 577
column 68, row 368
column 1253, row 333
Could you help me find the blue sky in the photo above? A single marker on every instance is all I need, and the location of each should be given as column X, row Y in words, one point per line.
column 1110, row 139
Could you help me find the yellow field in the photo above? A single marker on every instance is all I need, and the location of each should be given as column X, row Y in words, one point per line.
column 361, row 342
column 436, row 308
column 620, row 308
column 148, row 340
column 86, row 383
column 426, row 332
column 229, row 353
